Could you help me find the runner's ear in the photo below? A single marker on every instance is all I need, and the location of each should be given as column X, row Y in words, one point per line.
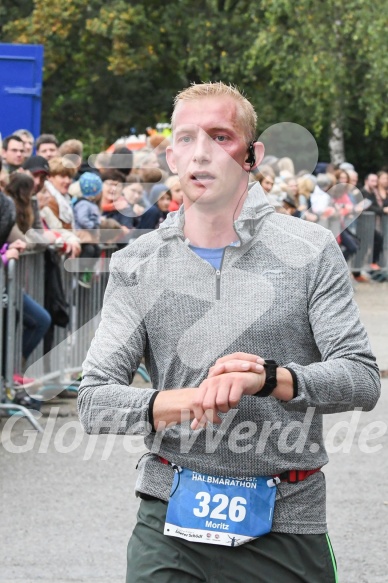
column 170, row 158
column 255, row 155
column 251, row 159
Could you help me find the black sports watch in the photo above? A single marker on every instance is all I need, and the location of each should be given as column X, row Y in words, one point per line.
column 270, row 379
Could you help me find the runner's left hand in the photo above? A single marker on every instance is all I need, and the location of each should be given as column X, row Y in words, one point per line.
column 237, row 362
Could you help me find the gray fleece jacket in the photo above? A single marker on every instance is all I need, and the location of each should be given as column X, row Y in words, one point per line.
column 283, row 294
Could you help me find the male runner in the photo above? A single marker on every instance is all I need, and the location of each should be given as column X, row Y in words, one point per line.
column 247, row 324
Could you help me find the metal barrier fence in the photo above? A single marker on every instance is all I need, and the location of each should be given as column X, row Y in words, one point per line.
column 7, row 286
column 28, row 277
column 364, row 228
column 70, row 344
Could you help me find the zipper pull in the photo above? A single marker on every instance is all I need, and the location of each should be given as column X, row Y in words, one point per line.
column 218, row 284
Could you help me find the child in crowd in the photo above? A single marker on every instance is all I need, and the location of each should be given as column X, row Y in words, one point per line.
column 87, row 220
column 157, row 213
column 174, row 186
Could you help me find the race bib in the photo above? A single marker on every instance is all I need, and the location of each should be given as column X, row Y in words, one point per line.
column 219, row 510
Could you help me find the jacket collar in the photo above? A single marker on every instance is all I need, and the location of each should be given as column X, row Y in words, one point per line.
column 254, row 209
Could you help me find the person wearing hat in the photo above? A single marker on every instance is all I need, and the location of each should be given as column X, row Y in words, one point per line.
column 158, row 212
column 39, row 169
column 87, row 218
column 291, row 207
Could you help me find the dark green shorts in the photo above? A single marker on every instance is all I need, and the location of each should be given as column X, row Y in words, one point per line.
column 273, row 558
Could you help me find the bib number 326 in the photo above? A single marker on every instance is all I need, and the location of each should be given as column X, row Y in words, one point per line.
column 219, row 510
column 223, row 507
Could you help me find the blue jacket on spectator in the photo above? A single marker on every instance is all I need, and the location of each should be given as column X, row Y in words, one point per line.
column 86, row 214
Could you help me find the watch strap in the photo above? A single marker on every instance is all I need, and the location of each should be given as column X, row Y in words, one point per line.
column 294, row 381
column 270, row 384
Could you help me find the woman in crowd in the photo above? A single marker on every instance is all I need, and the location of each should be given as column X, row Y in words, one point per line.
column 56, row 213
column 65, row 240
column 266, row 178
column 10, row 251
column 112, row 203
column 305, row 186
column 342, row 176
column 36, row 320
column 27, row 226
column 56, row 209
column 58, row 186
column 112, row 185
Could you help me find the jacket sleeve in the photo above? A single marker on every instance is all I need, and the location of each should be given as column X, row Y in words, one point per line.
column 106, row 402
column 15, row 234
column 55, row 224
column 84, row 215
column 53, row 205
column 31, row 238
column 35, row 235
column 374, row 207
column 347, row 376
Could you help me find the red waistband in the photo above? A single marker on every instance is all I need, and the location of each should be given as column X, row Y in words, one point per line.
column 291, row 476
column 295, row 476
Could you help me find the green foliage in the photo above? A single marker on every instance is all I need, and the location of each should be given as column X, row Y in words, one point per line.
column 330, row 58
column 110, row 66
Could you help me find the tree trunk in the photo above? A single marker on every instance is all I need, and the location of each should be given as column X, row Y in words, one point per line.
column 336, row 142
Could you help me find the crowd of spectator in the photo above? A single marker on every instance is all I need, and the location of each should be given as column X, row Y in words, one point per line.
column 53, row 198
column 331, row 196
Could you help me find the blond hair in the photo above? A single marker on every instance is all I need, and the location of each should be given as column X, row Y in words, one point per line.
column 305, row 185
column 57, row 167
column 71, row 147
column 171, row 181
column 247, row 116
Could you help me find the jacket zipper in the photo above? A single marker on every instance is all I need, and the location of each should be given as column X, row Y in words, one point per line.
column 218, row 272
column 218, row 284
column 218, row 277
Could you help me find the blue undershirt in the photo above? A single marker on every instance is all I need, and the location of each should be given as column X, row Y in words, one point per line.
column 213, row 256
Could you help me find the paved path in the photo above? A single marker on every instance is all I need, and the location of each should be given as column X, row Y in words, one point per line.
column 66, row 517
